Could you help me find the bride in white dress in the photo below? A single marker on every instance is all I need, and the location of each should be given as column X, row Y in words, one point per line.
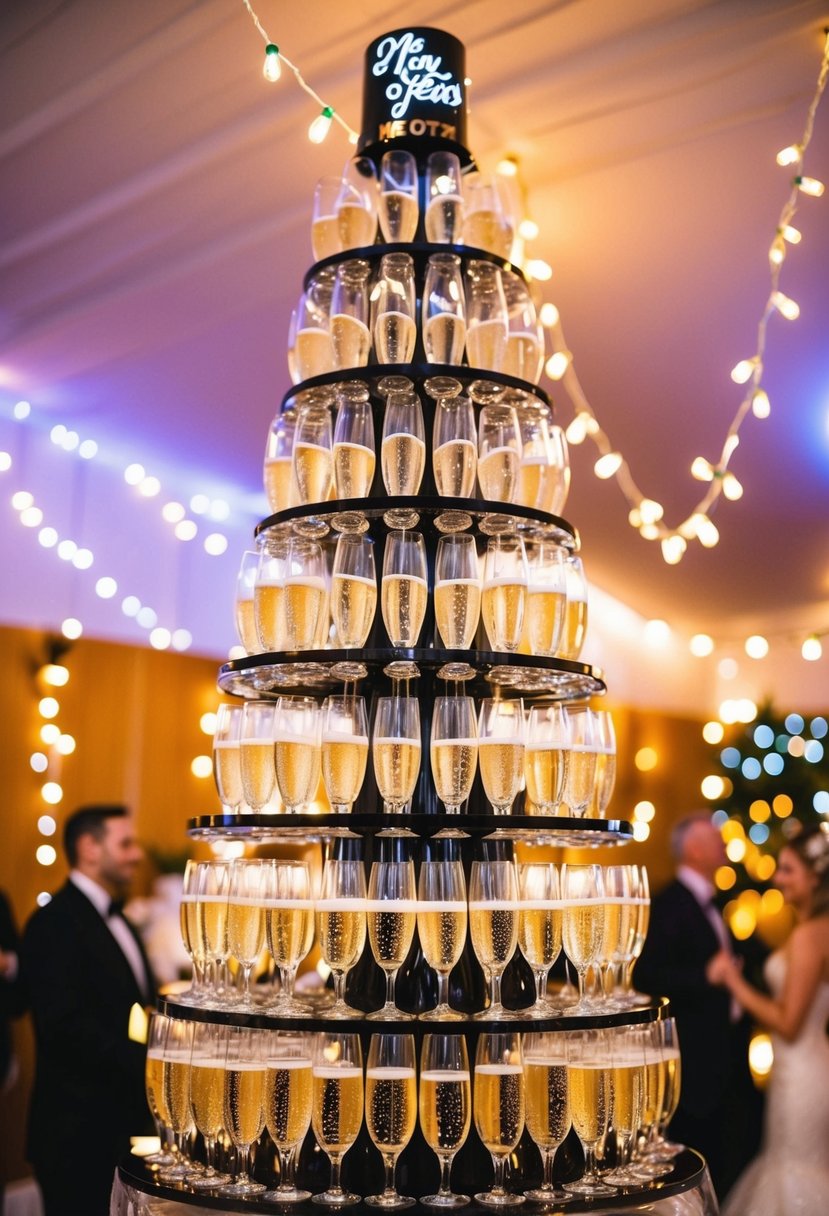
column 790, row 1177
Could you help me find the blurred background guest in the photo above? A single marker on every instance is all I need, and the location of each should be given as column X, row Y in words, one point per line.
column 12, row 999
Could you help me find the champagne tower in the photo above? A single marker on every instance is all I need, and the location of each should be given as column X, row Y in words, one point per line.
column 415, row 101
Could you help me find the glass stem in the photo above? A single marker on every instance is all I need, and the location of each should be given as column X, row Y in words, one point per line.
column 498, row 1182
column 247, row 968
column 582, row 974
column 339, row 987
column 288, row 1165
column 547, row 1183
column 591, row 1172
column 445, row 1171
column 540, row 987
column 210, row 1154
column 242, row 1154
column 391, row 976
column 388, row 1170
column 495, row 995
column 336, row 1162
column 443, row 988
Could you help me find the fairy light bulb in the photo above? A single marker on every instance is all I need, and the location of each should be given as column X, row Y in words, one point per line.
column 272, row 68
column 607, row 465
column 777, row 252
column 578, row 429
column 549, row 315
column 538, row 269
column 760, row 404
column 790, row 155
column 673, row 549
column 707, row 533
column 756, row 646
column 786, row 306
column 701, row 469
column 731, row 487
column 507, row 167
column 811, row 650
column 742, row 372
column 528, row 229
column 810, row 186
column 730, row 447
column 701, row 645
column 649, row 531
column 793, row 235
column 558, row 363
column 321, row 125
column 651, row 511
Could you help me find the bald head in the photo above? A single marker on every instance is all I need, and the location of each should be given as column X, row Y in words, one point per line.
column 697, row 843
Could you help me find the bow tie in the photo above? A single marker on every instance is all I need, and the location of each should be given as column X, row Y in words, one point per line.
column 116, row 908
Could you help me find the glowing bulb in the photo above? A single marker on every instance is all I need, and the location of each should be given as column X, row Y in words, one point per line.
column 31, row 517
column 713, row 732
column 83, row 559
column 70, row 441
column 22, row 410
column 49, row 733
column 731, row 487
column 701, row 645
column 207, row 722
column 321, row 125
column 149, row 487
column 789, row 155
column 67, row 550
column 787, row 307
column 657, row 632
column 549, row 315
column 508, row 167
column 71, row 628
column 649, row 531
column 5, row 462
column 579, row 427
column 777, row 252
column 22, row 499
column 51, row 792
column 130, row 605
column 48, row 707
column 172, row 512
column 219, row 509
column 182, row 639
column 106, row 587
column 133, row 474
column 88, row 449
column 810, row 186
column 272, row 68
column 160, row 638
column 707, row 533
column 635, row 517
column 47, row 825
column 65, row 745
column 57, row 433
column 729, row 448
column 39, row 763
column 201, row 766
column 811, row 650
column 55, row 674
column 215, row 544
column 540, row 270
column 186, row 529
column 650, row 511
column 702, row 469
column 760, row 404
column 45, row 855
column 146, row 617
column 607, row 465
column 673, row 549
column 557, row 365
column 641, row 831
column 528, row 229
column 756, row 647
column 742, row 372
column 793, row 235
column 199, row 504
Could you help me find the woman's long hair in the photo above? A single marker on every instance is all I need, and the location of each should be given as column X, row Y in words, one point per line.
column 811, row 845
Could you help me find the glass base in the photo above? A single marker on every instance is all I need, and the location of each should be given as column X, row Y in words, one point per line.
column 551, row 1195
column 389, row 1013
column 176, row 1173
column 497, row 1013
column 584, row 1186
column 337, row 1199
column 391, row 1200
column 207, row 1182
column 287, row 1194
column 442, row 1013
column 343, row 1011
column 499, row 1199
column 650, row 1169
column 623, row 1176
column 445, row 1201
column 241, row 1188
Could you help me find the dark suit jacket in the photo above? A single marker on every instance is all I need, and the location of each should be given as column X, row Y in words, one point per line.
column 88, row 1095
column 12, row 997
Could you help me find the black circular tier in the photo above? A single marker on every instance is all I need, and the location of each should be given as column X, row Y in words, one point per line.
column 419, row 252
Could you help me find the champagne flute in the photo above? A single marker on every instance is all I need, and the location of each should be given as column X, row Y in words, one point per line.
column 582, row 893
column 175, row 1090
column 325, row 231
column 546, row 603
column 498, row 1103
column 445, row 1108
column 546, row 756
column 313, row 348
column 548, row 1106
column 404, row 589
column 277, row 469
column 575, row 620
column 558, row 472
column 397, row 210
column 393, row 310
column 191, row 939
column 441, row 926
column 350, row 336
column 353, row 589
column 444, row 194
column 313, row 462
column 396, row 750
column 662, row 1085
column 640, row 894
column 304, row 594
column 457, row 591
column 354, row 457
column 536, row 456
column 245, row 619
column 356, row 204
column 403, row 450
column 444, row 310
column 485, row 226
column 524, row 354
column 297, row 748
column 501, row 751
column 212, row 890
column 454, row 750
column 628, row 1085
column 493, row 925
column 340, row 917
column 227, row 765
column 256, row 753
column 287, row 1104
column 591, row 1096
column 454, row 447
column 344, row 750
column 337, row 1106
column 244, row 1102
column 207, row 1080
column 505, row 591
column 269, row 598
column 605, row 738
column 391, row 914
column 246, row 921
column 499, row 452
column 619, row 924
column 580, row 777
column 539, row 927
column 391, row 1108
column 289, row 927
column 486, row 315
column 154, row 1089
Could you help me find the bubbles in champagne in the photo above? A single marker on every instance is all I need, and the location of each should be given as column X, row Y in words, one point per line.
column 499, row 1106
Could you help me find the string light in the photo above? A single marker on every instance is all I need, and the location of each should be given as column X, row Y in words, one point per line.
column 271, row 68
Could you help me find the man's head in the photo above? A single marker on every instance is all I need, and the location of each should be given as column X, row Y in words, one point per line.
column 100, row 842
column 697, row 843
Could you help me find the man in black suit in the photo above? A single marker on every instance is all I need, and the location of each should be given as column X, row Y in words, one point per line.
column 719, row 1110
column 84, row 969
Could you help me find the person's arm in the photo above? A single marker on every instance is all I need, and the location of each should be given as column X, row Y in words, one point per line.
column 785, row 1015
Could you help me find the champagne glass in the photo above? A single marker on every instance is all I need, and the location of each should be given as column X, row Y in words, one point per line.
column 277, row 469
column 313, row 348
column 499, row 452
column 548, row 1106
column 287, row 1103
column 493, row 925
column 256, row 753
column 454, row 447
column 396, row 750
column 505, row 591
column 393, row 309
column 304, row 593
column 534, row 474
column 337, row 1106
column 591, row 1095
column 546, row 603
column 325, row 231
column 350, row 336
column 457, row 591
column 353, row 589
column 404, row 590
column 501, row 751
column 524, row 353
column 445, row 1108
column 619, row 925
column 486, row 315
column 441, row 926
column 340, row 917
column 269, row 598
column 212, row 890
column 485, row 226
column 247, row 890
column 289, row 927
column 297, row 748
column 344, row 750
column 245, row 620
column 546, row 756
column 454, row 750
column 640, row 894
column 397, row 210
column 244, row 1102
column 293, row 370
column 498, row 1103
column 582, row 893
column 605, row 739
column 628, row 1087
column 444, row 194
column 191, row 939
column 391, row 1108
column 227, row 765
column 580, row 777
column 312, row 456
column 154, row 1089
column 403, row 450
column 391, row 914
column 354, row 457
column 444, row 310
column 356, row 204
column 539, row 927
column 575, row 620
column 663, row 1082
column 207, row 1079
column 558, row 472
column 175, row 1086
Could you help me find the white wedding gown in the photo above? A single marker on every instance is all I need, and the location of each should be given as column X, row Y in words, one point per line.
column 791, row 1175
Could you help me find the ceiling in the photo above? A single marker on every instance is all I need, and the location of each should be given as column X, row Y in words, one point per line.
column 155, row 231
